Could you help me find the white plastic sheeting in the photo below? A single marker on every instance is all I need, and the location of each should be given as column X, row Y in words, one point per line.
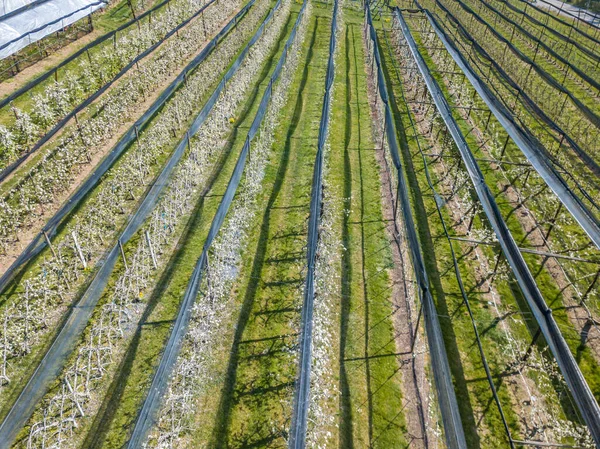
column 20, row 30
column 7, row 6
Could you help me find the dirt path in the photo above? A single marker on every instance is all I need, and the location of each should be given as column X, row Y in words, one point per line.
column 411, row 360
column 33, row 71
column 49, row 62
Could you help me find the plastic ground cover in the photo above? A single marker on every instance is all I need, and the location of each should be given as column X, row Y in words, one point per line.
column 10, row 8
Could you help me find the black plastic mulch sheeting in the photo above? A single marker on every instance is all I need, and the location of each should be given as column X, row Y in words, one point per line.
column 561, row 36
column 549, row 79
column 30, row 85
column 55, row 358
column 297, row 437
column 531, row 148
column 12, row 167
column 577, row 384
column 147, row 414
column 530, row 104
column 39, row 242
column 591, row 81
column 453, row 429
column 40, row 28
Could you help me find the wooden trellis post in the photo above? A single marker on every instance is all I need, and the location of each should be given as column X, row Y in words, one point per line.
column 123, row 254
column 79, row 252
column 151, row 249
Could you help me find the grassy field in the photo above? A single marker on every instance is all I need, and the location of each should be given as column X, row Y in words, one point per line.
column 370, row 379
column 26, row 365
column 252, row 369
column 128, row 388
column 260, row 371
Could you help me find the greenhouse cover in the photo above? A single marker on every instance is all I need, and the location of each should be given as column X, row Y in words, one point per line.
column 7, row 6
column 21, row 26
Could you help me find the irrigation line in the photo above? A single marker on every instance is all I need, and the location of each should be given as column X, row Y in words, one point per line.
column 558, row 34
column 161, row 377
column 538, row 41
column 542, row 444
column 586, row 403
column 548, row 78
column 40, row 28
column 301, row 405
column 530, row 251
column 529, row 103
column 51, row 227
column 529, row 145
column 453, row 429
column 30, row 85
column 53, row 361
column 85, row 103
column 457, row 273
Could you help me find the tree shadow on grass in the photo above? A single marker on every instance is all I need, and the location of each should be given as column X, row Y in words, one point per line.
column 428, row 247
column 345, row 421
column 230, row 391
column 117, row 391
